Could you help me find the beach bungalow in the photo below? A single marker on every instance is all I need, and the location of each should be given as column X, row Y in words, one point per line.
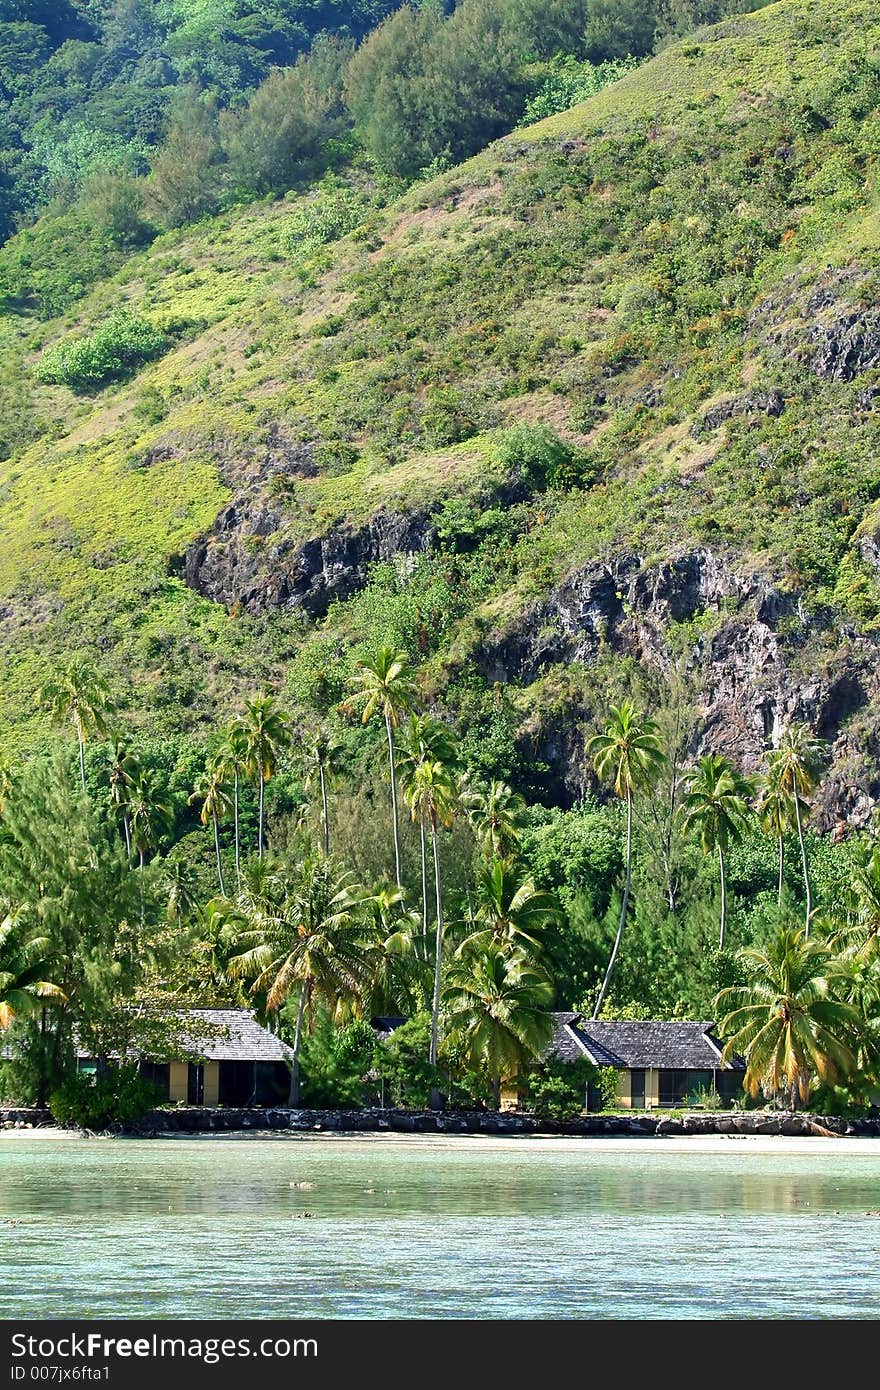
column 217, row 1057
column 659, row 1063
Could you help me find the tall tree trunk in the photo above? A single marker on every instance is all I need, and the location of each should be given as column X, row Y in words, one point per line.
column 390, row 734
column 496, row 1092
column 140, row 859
column 293, row 1096
column 82, row 755
column 217, row 851
column 438, row 952
column 723, row 897
column 800, row 831
column 325, row 819
column 605, row 983
column 260, row 818
column 781, row 870
column 127, row 831
column 235, row 814
column 424, row 850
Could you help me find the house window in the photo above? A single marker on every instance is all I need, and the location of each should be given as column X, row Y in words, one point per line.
column 678, row 1085
column 158, row 1073
column 637, row 1088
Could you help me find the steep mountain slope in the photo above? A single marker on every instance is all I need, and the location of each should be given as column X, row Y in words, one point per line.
column 677, row 278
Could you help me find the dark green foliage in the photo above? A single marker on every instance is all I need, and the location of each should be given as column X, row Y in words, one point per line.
column 336, row 1063
column 402, row 1064
column 121, row 1097
column 559, row 1090
column 110, row 353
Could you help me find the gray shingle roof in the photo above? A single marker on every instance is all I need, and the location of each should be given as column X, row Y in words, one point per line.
column 662, row 1044
column 228, row 1035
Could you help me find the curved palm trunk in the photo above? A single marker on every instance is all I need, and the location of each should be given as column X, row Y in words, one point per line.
column 605, row 983
column 325, row 819
column 217, row 852
column 390, row 734
column 438, row 952
column 808, row 890
column 723, row 897
column 127, row 831
column 260, row 817
column 235, row 814
column 781, row 870
column 293, row 1096
column 82, row 755
column 424, row 850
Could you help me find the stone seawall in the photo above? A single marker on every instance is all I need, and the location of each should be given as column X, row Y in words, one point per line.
column 203, row 1120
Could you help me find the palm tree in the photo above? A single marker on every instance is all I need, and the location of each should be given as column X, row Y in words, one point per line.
column 431, row 797
column 385, row 686
column 776, row 813
column 7, row 782
column 231, row 756
column 715, row 806
column 390, row 938
column 510, row 910
column 795, row 766
column 124, row 764
column 496, row 1002
column 150, row 812
column 265, row 734
column 79, row 694
column 495, row 812
column 325, row 759
column 212, row 790
column 786, row 1020
column 426, row 739
column 182, row 890
column 859, row 938
column 303, row 938
column 23, row 967
column 628, row 755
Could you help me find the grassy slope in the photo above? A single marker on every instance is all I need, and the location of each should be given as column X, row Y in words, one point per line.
column 596, row 271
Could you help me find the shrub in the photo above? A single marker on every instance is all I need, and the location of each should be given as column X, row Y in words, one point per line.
column 557, row 1090
column 119, row 1098
column 113, row 351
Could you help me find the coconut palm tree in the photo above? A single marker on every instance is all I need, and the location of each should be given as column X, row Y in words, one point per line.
column 628, row 755
column 124, row 764
column 265, row 732
column 795, row 766
column 182, row 892
column 24, row 965
column 858, row 939
column 426, row 739
column 495, row 813
column 231, row 756
column 302, row 939
column 390, row 936
column 431, row 797
column 325, row 759
column 775, row 811
column 7, row 782
column 509, row 909
column 212, row 790
column 78, row 694
column 385, row 686
column 787, row 1019
column 496, row 1003
column 715, row 806
column 150, row 812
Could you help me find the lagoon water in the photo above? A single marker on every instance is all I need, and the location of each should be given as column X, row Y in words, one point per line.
column 365, row 1227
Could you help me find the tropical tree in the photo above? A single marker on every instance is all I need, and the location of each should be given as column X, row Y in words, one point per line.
column 795, row 765
column 232, row 757
column 79, row 695
column 390, row 937
column 715, row 806
column 426, row 739
column 858, row 938
column 431, row 797
column 302, row 939
column 124, row 766
column 495, row 813
column 510, row 910
column 775, row 811
column 182, row 892
column 325, row 759
column 212, row 790
column 24, row 968
column 265, row 733
column 7, row 782
column 628, row 755
column 150, row 812
column 385, row 686
column 788, row 1020
column 496, row 1004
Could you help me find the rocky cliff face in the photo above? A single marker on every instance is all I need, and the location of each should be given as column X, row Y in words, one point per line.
column 757, row 659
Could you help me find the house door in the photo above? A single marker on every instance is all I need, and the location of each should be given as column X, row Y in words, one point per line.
column 195, row 1084
column 637, row 1088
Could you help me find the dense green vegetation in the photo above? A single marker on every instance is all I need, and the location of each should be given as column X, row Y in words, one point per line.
column 638, row 327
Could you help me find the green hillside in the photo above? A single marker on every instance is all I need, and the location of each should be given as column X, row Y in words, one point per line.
column 637, row 332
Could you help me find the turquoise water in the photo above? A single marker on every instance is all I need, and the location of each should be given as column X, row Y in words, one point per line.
column 507, row 1228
